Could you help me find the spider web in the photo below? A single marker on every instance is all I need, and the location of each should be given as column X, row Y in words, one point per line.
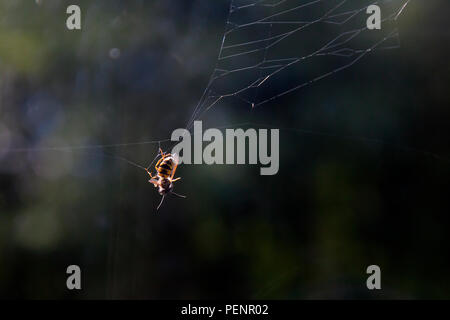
column 271, row 48
column 305, row 41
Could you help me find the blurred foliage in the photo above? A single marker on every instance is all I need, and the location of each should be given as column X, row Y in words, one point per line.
column 363, row 177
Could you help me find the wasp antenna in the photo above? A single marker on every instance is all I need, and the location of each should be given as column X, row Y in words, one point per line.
column 179, row 195
column 160, row 203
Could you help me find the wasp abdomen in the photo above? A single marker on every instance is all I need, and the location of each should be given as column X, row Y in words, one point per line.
column 165, row 168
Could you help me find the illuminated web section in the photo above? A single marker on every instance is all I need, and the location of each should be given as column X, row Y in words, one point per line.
column 271, row 48
column 274, row 47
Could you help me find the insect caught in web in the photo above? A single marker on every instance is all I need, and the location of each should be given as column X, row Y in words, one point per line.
column 164, row 177
column 263, row 40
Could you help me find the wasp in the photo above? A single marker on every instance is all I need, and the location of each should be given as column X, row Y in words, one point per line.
column 165, row 172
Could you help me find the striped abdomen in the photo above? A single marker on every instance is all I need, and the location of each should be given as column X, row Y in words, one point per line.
column 165, row 168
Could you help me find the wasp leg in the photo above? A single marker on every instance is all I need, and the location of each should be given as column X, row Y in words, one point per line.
column 173, row 180
column 178, row 195
column 151, row 177
column 160, row 203
column 154, row 182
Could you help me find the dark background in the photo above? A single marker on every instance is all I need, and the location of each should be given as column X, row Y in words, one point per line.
column 364, row 163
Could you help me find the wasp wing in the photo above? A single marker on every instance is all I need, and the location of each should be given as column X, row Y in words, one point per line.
column 176, row 159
